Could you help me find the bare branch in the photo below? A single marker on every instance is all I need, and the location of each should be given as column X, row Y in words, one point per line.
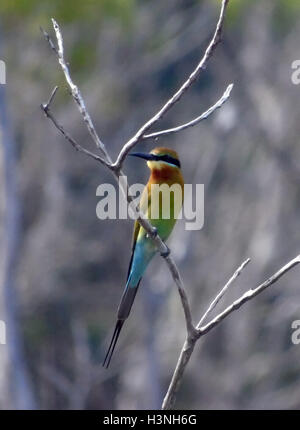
column 191, row 331
column 223, row 291
column 195, row 121
column 74, row 89
column 49, row 40
column 184, row 358
column 177, row 96
column 189, row 344
column 46, row 108
column 250, row 294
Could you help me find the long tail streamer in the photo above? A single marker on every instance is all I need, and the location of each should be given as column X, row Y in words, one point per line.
column 113, row 343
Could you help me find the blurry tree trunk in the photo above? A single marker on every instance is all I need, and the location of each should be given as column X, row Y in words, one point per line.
column 18, row 392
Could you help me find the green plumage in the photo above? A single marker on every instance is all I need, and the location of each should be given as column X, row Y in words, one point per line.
column 162, row 214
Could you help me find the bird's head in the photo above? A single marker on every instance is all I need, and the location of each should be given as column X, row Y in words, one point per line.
column 159, row 158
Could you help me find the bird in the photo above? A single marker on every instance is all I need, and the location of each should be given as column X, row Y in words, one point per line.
column 164, row 168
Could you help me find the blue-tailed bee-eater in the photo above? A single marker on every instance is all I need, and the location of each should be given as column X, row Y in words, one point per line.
column 164, row 165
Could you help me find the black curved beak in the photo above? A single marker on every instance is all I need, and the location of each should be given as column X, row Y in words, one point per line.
column 147, row 157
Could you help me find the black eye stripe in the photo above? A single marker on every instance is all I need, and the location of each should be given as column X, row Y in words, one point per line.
column 167, row 159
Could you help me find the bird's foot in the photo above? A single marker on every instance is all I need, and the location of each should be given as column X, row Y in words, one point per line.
column 153, row 233
column 165, row 253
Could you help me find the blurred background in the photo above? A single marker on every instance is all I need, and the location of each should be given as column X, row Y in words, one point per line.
column 62, row 270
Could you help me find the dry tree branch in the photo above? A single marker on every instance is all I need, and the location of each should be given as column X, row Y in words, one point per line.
column 46, row 108
column 74, row 89
column 195, row 121
column 250, row 294
column 190, row 343
column 177, row 96
column 193, row 333
column 223, row 291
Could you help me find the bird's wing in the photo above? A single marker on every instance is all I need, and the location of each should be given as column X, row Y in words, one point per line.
column 143, row 206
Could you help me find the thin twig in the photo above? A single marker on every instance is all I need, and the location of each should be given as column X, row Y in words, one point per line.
column 49, row 40
column 46, row 106
column 223, row 291
column 46, row 109
column 177, row 96
column 195, row 121
column 74, row 89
